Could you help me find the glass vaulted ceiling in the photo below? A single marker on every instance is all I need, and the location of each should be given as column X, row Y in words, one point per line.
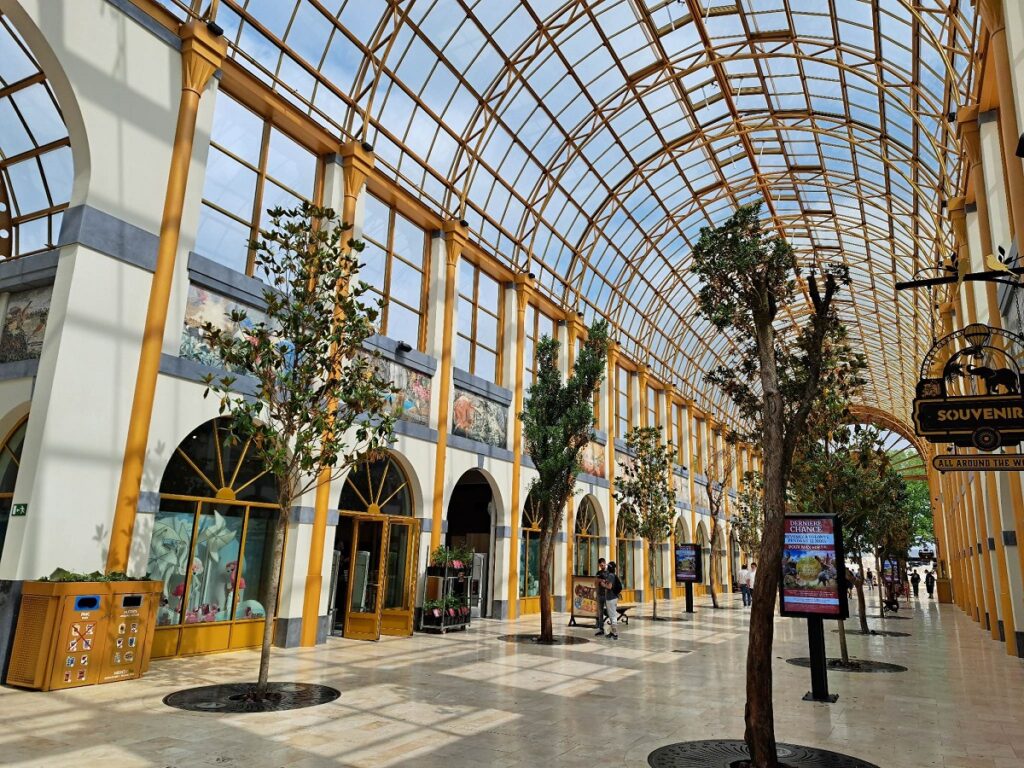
column 588, row 142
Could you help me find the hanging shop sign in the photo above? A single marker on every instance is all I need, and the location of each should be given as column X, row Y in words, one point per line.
column 688, row 564
column 970, row 389
column 976, row 463
column 813, row 581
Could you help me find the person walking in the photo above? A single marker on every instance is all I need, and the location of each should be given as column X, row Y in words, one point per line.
column 743, row 577
column 750, row 581
column 929, row 583
column 602, row 574
column 915, row 582
column 871, row 579
column 612, row 590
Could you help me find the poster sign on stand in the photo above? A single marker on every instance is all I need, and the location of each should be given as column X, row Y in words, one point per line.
column 813, row 580
column 584, row 600
column 689, row 570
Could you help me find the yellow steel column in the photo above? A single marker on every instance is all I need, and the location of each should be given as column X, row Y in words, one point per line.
column 574, row 331
column 357, row 163
column 993, row 18
column 669, row 394
column 981, row 557
column 995, row 536
column 202, row 53
column 524, row 288
column 455, row 239
column 643, row 377
column 613, row 426
column 967, row 117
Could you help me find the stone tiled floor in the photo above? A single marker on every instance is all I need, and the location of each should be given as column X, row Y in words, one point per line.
column 470, row 699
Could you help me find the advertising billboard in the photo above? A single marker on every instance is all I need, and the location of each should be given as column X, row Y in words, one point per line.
column 813, row 580
column 584, row 598
column 688, row 564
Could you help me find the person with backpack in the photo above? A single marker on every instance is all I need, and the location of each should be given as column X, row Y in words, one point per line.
column 929, row 584
column 612, row 590
column 602, row 574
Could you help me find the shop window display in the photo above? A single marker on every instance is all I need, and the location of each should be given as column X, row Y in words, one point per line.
column 587, row 540
column 625, row 548
column 529, row 552
column 10, row 460
column 212, row 541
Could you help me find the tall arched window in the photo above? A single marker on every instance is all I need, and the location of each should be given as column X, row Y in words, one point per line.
column 529, row 551
column 377, row 487
column 10, row 461
column 587, row 539
column 213, row 537
column 625, row 547
column 702, row 543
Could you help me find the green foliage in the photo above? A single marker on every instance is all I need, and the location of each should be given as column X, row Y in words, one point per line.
column 919, row 504
column 320, row 403
column 748, row 513
column 558, row 421
column 64, row 575
column 644, row 491
column 443, row 557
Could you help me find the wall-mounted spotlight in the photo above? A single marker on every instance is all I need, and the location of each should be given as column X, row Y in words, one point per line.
column 404, row 347
column 463, row 222
column 531, row 275
column 367, row 146
column 215, row 29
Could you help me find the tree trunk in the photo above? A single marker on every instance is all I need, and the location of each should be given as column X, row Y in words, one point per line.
column 713, row 560
column 844, row 652
column 861, row 602
column 881, row 587
column 651, row 579
column 547, row 634
column 270, row 609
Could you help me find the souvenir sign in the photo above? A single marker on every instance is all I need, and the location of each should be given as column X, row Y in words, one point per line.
column 970, row 389
column 688, row 564
column 813, row 583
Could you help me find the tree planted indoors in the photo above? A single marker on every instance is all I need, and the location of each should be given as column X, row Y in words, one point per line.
column 308, row 396
column 558, row 422
column 646, row 496
column 786, row 352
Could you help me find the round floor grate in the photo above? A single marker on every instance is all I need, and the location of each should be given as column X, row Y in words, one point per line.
column 237, row 697
column 722, row 753
column 531, row 638
column 856, row 665
column 875, row 632
column 660, row 618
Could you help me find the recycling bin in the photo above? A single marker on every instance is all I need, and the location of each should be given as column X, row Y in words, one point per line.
column 79, row 633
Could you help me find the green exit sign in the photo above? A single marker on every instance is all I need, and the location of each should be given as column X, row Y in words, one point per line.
column 19, row 510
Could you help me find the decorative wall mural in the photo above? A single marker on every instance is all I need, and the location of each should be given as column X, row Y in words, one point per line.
column 682, row 488
column 412, row 401
column 206, row 306
column 594, row 460
column 25, row 324
column 478, row 418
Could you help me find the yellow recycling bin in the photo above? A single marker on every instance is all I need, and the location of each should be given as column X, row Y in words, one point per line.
column 83, row 632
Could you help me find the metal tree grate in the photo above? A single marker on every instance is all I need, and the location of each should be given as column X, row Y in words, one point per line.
column 725, row 753
column 234, row 698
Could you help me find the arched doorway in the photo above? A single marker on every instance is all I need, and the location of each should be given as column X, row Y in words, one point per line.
column 471, row 527
column 529, row 559
column 734, row 560
column 586, row 539
column 212, row 544
column 680, row 535
column 10, row 462
column 626, row 561
column 375, row 547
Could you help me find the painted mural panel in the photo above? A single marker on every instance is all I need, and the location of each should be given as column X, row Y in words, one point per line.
column 412, row 401
column 594, row 460
column 682, row 488
column 478, row 418
column 25, row 324
column 205, row 306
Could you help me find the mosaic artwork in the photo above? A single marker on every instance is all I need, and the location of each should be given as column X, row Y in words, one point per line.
column 25, row 324
column 412, row 401
column 478, row 418
column 593, row 460
column 205, row 306
column 682, row 488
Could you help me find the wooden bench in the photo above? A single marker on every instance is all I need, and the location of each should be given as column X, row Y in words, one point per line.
column 621, row 612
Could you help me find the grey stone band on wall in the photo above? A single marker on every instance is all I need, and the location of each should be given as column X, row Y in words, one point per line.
column 333, row 516
column 499, row 609
column 19, row 369
column 478, row 386
column 700, row 479
column 600, row 482
column 414, row 359
column 503, row 532
column 109, row 235
column 190, row 370
column 603, row 541
column 149, row 503
column 600, row 437
column 287, row 632
column 228, row 282
column 417, row 431
column 426, row 524
column 147, row 22
column 299, row 515
column 560, row 603
column 26, row 272
column 560, row 537
column 474, row 446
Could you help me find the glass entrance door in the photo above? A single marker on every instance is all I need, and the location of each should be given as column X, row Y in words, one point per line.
column 399, row 585
column 366, row 577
